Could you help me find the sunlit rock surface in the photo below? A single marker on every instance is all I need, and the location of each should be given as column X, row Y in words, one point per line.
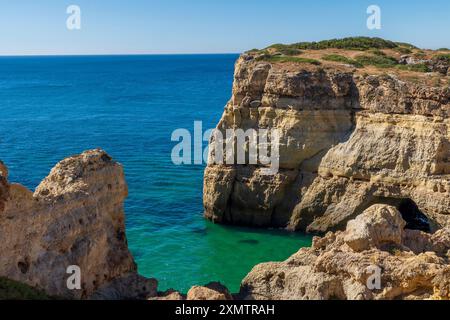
column 74, row 218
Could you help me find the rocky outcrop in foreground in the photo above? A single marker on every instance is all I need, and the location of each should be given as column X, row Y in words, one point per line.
column 411, row 264
column 74, row 218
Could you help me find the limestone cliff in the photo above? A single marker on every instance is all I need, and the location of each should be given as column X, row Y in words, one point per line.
column 74, row 217
column 349, row 140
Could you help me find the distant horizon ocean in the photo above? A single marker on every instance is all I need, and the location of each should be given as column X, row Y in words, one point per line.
column 32, row 55
column 56, row 106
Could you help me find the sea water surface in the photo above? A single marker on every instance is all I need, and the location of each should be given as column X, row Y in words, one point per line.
column 54, row 107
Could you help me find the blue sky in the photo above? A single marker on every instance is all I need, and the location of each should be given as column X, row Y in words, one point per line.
column 209, row 26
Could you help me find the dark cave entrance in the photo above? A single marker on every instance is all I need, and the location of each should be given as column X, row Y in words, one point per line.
column 415, row 219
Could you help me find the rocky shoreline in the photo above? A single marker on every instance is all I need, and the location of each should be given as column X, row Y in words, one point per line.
column 411, row 264
column 364, row 162
column 75, row 217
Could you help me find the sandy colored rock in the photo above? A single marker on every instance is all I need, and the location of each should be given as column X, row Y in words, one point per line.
column 74, row 217
column 348, row 141
column 378, row 225
column 212, row 291
column 3, row 170
column 332, row 269
column 419, row 241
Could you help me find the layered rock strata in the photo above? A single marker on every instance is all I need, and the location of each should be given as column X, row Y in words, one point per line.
column 348, row 141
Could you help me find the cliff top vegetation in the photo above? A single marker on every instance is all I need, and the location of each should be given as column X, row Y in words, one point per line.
column 365, row 55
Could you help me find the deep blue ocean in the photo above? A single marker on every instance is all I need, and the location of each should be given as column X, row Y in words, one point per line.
column 54, row 107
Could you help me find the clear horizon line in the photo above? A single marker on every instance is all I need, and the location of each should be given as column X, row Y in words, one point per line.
column 115, row 54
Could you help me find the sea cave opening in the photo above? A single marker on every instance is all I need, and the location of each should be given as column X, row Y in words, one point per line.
column 414, row 217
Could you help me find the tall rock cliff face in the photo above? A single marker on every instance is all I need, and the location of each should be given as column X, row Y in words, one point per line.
column 74, row 217
column 348, row 141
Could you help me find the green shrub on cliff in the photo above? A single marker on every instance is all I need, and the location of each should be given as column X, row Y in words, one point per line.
column 13, row 290
column 342, row 59
column 445, row 57
column 403, row 50
column 352, row 43
column 281, row 58
column 420, row 55
column 419, row 67
column 384, row 61
column 377, row 52
column 286, row 49
column 373, row 53
column 377, row 61
column 406, row 45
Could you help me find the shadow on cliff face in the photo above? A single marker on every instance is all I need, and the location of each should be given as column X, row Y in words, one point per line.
column 342, row 93
column 345, row 140
column 315, row 110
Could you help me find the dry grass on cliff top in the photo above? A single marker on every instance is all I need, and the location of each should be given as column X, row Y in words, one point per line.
column 363, row 56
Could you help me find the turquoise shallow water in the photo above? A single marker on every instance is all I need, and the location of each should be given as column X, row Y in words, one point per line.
column 52, row 107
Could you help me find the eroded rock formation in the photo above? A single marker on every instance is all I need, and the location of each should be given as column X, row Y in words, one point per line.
column 74, row 217
column 367, row 153
column 411, row 264
column 348, row 141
